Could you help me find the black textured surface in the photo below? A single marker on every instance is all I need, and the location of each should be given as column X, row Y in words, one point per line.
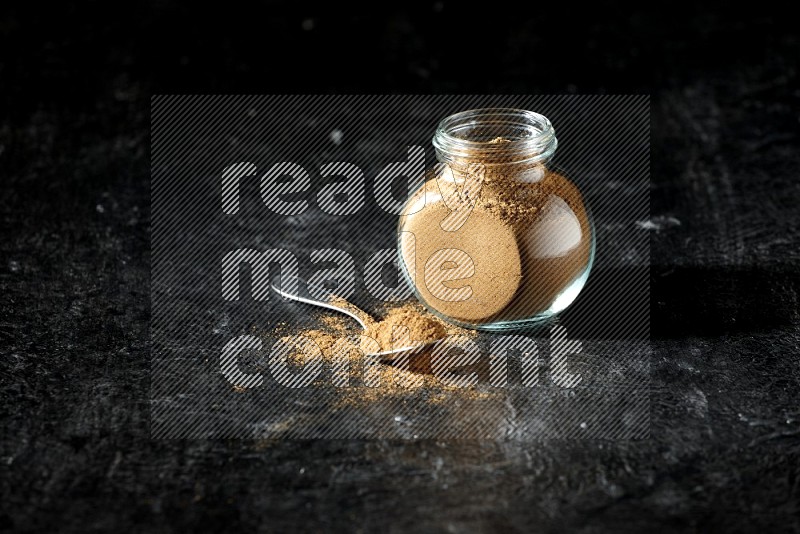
column 75, row 453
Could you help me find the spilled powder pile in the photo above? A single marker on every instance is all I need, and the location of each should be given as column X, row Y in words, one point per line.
column 406, row 323
column 334, row 327
column 412, row 379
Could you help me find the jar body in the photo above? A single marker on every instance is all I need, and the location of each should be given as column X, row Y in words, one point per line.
column 491, row 244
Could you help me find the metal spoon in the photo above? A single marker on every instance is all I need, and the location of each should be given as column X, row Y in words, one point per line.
column 362, row 318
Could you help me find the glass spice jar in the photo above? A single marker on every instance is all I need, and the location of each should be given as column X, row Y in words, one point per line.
column 495, row 238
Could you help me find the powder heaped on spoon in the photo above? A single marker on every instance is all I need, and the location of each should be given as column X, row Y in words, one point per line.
column 422, row 327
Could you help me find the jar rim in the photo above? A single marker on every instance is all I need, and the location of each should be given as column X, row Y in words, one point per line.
column 526, row 136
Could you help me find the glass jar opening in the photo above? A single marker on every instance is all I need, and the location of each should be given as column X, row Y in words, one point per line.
column 495, row 135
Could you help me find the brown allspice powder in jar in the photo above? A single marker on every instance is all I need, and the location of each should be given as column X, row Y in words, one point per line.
column 496, row 239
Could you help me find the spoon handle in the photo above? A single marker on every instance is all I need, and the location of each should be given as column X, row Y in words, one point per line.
column 332, row 303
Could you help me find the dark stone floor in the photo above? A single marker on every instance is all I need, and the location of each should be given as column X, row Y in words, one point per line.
column 75, row 449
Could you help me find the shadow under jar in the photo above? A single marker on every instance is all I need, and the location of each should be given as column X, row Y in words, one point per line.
column 495, row 239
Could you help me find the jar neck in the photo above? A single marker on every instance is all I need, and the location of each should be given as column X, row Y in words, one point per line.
column 495, row 136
